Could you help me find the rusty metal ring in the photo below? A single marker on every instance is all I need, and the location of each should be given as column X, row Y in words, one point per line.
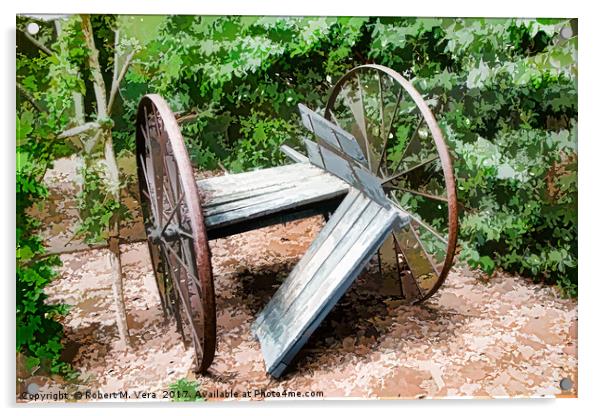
column 443, row 154
column 195, row 289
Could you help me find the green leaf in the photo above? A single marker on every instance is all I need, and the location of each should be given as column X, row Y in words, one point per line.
column 487, row 264
column 24, row 127
column 478, row 76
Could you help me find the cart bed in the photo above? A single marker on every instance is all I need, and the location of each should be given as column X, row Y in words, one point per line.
column 251, row 200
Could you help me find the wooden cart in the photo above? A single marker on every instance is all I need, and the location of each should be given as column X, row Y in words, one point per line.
column 379, row 169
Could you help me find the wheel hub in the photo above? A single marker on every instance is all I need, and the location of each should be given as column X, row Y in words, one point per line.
column 156, row 234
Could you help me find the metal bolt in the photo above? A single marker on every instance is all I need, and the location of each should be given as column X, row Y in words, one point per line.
column 33, row 28
column 33, row 388
column 566, row 384
column 566, row 32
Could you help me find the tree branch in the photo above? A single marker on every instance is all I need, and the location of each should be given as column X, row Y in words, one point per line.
column 75, row 131
column 186, row 118
column 115, row 58
column 99, row 83
column 37, row 43
column 104, row 132
column 29, row 97
column 117, row 81
column 78, row 98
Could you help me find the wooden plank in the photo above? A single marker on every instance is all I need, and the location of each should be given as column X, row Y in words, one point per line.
column 330, row 251
column 348, row 212
column 388, row 258
column 332, row 135
column 318, row 208
column 329, row 255
column 291, row 192
column 244, row 193
column 293, row 154
column 306, row 192
column 409, row 287
column 290, row 342
column 371, row 185
column 283, row 334
column 418, row 260
column 254, row 197
column 228, row 184
column 337, row 216
column 339, row 167
column 313, row 151
column 348, row 170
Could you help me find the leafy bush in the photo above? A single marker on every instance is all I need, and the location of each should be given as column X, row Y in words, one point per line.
column 39, row 331
column 96, row 203
column 185, row 391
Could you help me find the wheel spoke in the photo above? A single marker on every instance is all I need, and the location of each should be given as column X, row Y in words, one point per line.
column 187, row 308
column 382, row 124
column 185, row 233
column 170, row 294
column 333, row 118
column 173, row 174
column 362, row 114
column 387, row 255
column 180, row 261
column 168, row 196
column 157, row 176
column 171, row 215
column 196, row 294
column 405, row 172
column 412, row 138
column 419, row 221
column 185, row 248
column 426, row 253
column 159, row 277
column 358, row 115
column 424, row 194
column 150, row 199
column 149, row 188
column 383, row 152
column 417, row 259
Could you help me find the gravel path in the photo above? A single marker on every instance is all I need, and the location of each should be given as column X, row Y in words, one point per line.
column 498, row 337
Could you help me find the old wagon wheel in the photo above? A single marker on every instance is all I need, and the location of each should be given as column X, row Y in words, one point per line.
column 174, row 225
column 404, row 147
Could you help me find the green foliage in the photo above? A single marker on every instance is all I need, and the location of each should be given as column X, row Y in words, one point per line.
column 43, row 110
column 96, row 204
column 38, row 331
column 49, row 78
column 261, row 141
column 233, row 71
column 185, row 390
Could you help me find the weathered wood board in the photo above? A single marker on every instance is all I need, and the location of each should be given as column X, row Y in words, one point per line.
column 232, row 200
column 337, row 256
column 331, row 134
column 339, row 153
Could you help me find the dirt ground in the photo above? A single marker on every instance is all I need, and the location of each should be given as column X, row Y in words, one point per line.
column 498, row 337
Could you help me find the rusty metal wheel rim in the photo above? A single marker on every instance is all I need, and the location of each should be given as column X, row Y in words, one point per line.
column 402, row 244
column 175, row 226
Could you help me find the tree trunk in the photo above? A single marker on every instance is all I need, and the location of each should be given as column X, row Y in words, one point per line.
column 117, row 287
column 113, row 178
